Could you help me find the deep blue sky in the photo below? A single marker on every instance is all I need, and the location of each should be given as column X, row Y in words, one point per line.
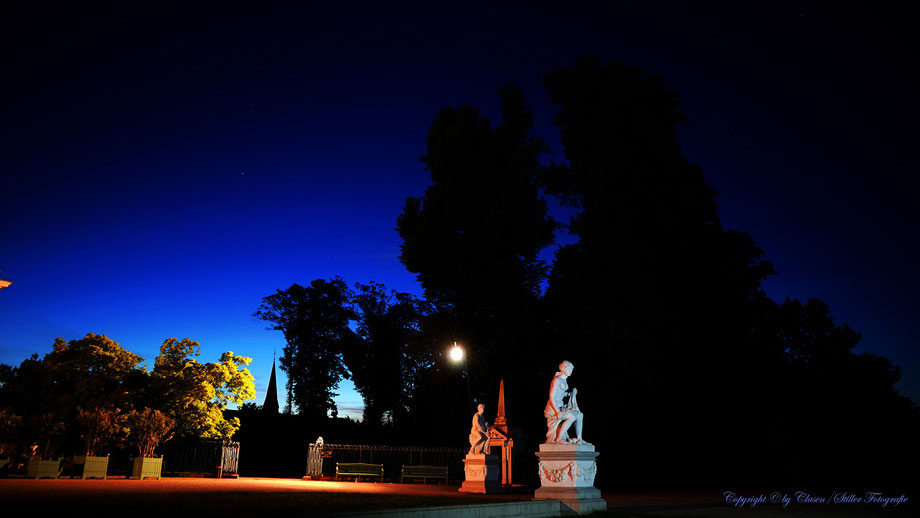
column 165, row 168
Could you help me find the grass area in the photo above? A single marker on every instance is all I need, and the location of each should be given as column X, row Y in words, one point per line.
column 238, row 504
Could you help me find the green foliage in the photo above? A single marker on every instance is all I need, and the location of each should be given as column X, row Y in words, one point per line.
column 98, row 426
column 94, row 371
column 315, row 322
column 196, row 394
column 90, row 372
column 21, row 387
column 10, row 427
column 148, row 428
column 50, row 429
column 81, row 390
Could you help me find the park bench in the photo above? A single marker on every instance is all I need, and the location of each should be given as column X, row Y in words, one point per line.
column 357, row 470
column 423, row 472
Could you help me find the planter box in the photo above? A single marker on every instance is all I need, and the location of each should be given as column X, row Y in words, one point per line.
column 147, row 467
column 43, row 468
column 93, row 467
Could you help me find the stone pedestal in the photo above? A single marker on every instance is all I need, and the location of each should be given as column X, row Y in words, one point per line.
column 482, row 474
column 567, row 473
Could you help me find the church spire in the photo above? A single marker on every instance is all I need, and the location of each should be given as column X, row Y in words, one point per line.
column 271, row 397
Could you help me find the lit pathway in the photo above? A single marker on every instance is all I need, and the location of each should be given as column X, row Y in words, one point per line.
column 277, row 497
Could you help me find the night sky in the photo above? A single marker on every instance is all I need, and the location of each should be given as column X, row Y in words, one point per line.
column 165, row 168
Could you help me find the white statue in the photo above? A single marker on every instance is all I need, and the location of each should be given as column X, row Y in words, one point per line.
column 479, row 433
column 559, row 414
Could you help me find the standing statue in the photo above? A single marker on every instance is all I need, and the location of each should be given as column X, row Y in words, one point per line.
column 479, row 433
column 560, row 415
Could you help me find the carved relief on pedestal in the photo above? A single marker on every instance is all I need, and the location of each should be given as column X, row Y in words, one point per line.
column 588, row 473
column 557, row 475
column 584, row 472
column 475, row 472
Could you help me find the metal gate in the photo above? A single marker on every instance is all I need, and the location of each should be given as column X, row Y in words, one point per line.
column 230, row 457
column 214, row 456
column 315, row 459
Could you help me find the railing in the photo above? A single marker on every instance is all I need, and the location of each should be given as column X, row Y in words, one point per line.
column 213, row 456
column 321, row 458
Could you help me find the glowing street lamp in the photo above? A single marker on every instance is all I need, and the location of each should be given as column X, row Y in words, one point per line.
column 456, row 353
column 4, row 284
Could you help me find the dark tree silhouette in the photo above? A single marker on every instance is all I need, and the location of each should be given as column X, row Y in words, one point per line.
column 474, row 236
column 685, row 368
column 670, row 308
column 831, row 400
column 314, row 320
column 387, row 361
column 660, row 292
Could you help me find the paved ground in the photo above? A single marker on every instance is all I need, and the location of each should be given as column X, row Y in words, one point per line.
column 292, row 497
column 234, row 497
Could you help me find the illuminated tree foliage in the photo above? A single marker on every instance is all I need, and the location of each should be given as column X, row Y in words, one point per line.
column 196, row 394
column 83, row 390
column 148, row 428
column 91, row 372
column 97, row 426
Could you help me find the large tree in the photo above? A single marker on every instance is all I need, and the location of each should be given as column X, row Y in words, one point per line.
column 662, row 292
column 94, row 380
column 651, row 246
column 653, row 266
column 315, row 322
column 43, row 395
column 90, row 372
column 387, row 362
column 474, row 237
column 671, row 304
column 195, row 394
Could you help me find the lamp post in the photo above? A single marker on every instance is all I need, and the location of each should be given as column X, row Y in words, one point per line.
column 4, row 284
column 457, row 355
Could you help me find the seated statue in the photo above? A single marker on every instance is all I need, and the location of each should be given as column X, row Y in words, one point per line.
column 560, row 415
column 479, row 434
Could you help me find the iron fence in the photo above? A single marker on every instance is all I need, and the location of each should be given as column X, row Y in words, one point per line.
column 321, row 458
column 212, row 456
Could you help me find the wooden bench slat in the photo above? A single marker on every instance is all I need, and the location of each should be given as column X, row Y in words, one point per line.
column 423, row 472
column 358, row 469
